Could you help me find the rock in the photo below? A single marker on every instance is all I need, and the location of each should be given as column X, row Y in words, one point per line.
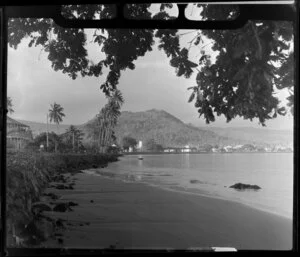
column 72, row 204
column 51, row 195
column 62, row 207
column 92, row 201
column 38, row 207
column 241, row 186
column 195, row 181
column 59, row 223
column 61, row 187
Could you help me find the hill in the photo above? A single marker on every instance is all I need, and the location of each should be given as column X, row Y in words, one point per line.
column 165, row 129
column 39, row 127
column 169, row 131
column 263, row 135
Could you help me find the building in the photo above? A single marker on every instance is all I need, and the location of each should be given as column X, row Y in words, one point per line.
column 228, row 148
column 186, row 149
column 18, row 134
column 139, row 146
column 170, row 150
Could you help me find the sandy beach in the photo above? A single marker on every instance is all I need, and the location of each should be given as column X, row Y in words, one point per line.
column 132, row 215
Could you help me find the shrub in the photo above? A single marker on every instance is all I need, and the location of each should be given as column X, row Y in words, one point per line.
column 29, row 173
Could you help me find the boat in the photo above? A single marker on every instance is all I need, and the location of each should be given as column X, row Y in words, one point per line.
column 141, row 158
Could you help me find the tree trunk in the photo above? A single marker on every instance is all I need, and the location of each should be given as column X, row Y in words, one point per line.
column 56, row 143
column 47, row 134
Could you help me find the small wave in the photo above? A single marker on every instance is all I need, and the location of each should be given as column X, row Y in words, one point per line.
column 90, row 172
column 196, row 181
column 130, row 177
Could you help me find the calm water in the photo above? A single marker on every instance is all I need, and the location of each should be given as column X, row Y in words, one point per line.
column 215, row 173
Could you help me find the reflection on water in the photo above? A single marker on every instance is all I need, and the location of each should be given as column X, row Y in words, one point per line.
column 213, row 174
column 186, row 160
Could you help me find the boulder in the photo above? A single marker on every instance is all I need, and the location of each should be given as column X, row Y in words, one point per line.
column 241, row 186
column 72, row 204
column 195, row 181
column 62, row 207
column 51, row 195
column 38, row 207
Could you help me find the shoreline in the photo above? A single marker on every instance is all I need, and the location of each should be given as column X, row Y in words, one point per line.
column 183, row 190
column 135, row 215
column 165, row 153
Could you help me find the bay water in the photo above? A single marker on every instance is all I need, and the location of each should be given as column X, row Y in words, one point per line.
column 212, row 174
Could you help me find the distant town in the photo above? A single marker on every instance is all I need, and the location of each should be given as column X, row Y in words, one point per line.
column 20, row 136
column 246, row 148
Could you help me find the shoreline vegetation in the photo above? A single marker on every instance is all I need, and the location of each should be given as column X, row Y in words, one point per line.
column 63, row 206
column 29, row 174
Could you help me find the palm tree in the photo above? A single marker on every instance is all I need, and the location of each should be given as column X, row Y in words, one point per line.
column 74, row 136
column 10, row 105
column 108, row 118
column 56, row 114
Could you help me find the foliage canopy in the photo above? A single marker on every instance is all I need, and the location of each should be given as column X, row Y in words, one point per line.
column 250, row 63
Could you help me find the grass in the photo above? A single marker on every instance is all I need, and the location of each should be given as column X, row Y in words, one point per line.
column 28, row 175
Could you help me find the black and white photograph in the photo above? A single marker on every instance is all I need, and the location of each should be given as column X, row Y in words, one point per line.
column 150, row 138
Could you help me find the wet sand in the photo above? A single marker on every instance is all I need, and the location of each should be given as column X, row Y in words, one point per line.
column 116, row 214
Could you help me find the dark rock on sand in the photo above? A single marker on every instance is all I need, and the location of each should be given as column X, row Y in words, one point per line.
column 59, row 223
column 62, row 187
column 62, row 207
column 38, row 207
column 195, row 181
column 72, row 204
column 51, row 195
column 241, row 186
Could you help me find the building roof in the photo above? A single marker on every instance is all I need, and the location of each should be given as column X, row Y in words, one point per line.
column 12, row 121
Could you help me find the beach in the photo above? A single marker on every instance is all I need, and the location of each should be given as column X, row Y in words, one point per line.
column 131, row 215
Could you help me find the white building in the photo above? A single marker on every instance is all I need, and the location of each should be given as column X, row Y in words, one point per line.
column 228, row 148
column 140, row 146
column 186, row 149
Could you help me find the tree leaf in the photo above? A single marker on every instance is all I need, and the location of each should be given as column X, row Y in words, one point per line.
column 191, row 98
column 239, row 75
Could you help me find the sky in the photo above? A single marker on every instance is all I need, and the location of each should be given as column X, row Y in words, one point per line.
column 33, row 85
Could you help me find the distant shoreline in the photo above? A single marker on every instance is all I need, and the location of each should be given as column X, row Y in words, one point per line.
column 164, row 153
